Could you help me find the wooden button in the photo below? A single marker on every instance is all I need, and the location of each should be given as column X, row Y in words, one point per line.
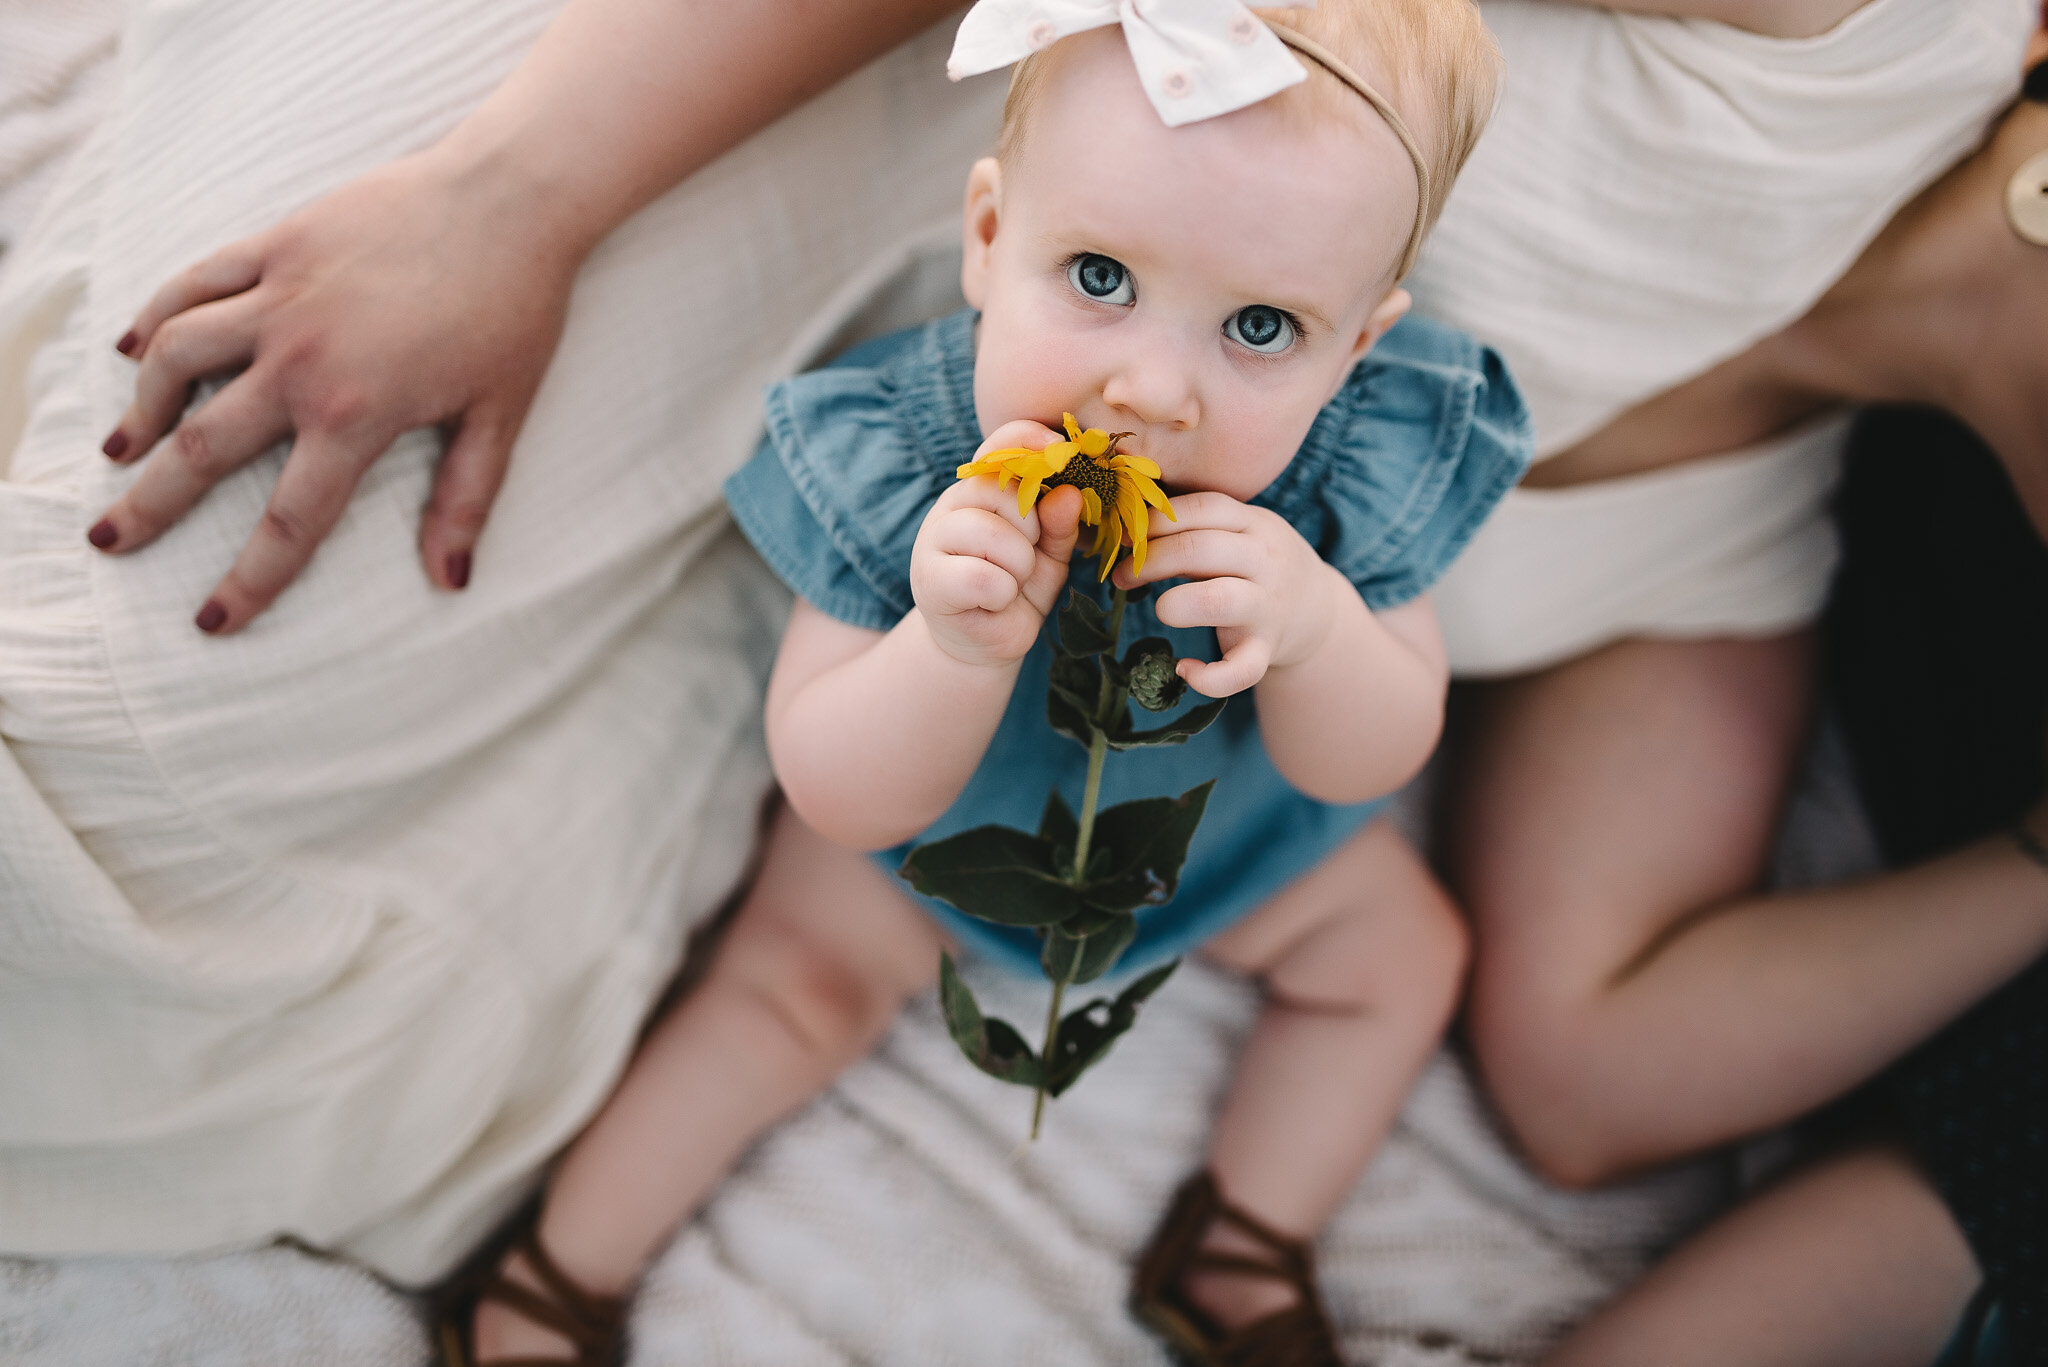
column 2026, row 200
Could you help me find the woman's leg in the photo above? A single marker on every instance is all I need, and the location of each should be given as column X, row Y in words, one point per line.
column 1851, row 1263
column 1633, row 998
column 819, row 959
column 1361, row 960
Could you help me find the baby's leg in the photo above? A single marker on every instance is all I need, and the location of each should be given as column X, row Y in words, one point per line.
column 820, row 957
column 1852, row 1261
column 1361, row 960
column 1633, row 998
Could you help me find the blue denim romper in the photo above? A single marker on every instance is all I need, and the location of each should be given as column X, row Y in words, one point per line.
column 1396, row 473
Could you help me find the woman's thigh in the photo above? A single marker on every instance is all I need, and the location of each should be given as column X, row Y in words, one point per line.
column 1852, row 1261
column 1598, row 805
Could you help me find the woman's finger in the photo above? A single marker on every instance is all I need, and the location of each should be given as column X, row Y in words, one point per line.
column 199, row 342
column 1234, row 673
column 232, row 269
column 227, row 431
column 311, row 493
column 465, row 487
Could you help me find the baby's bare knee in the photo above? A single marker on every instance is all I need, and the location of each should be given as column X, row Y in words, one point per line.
column 822, row 1001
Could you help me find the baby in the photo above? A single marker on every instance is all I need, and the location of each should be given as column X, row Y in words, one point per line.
column 1213, row 289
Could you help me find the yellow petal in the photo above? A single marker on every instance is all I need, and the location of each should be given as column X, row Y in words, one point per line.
column 1108, row 541
column 1027, row 494
column 1156, row 498
column 976, row 467
column 1093, row 442
column 1126, row 461
column 1073, row 428
column 1091, row 510
column 1056, row 456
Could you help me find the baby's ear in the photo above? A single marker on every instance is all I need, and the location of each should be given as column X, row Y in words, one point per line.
column 979, row 220
column 1389, row 312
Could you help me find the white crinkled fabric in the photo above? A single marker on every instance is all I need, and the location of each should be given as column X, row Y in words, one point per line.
column 1653, row 196
column 341, row 926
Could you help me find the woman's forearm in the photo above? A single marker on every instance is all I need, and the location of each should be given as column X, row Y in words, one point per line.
column 621, row 99
column 873, row 737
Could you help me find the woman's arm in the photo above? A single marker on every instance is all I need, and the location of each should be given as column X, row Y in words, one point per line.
column 432, row 291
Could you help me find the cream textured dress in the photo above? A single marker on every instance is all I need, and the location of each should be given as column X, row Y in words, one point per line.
column 342, row 925
column 1653, row 196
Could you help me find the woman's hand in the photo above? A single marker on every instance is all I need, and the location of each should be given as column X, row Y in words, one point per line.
column 415, row 295
column 1264, row 589
column 984, row 577
column 432, row 291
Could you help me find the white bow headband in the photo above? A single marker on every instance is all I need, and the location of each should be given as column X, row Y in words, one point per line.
column 1196, row 59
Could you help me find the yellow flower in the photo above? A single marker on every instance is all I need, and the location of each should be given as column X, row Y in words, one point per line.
column 1115, row 487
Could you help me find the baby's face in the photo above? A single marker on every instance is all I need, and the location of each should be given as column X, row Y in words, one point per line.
column 1206, row 288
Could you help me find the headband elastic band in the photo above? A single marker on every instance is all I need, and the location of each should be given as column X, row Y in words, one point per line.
column 1336, row 66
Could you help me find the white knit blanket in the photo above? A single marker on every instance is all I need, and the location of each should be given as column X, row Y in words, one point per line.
column 897, row 1221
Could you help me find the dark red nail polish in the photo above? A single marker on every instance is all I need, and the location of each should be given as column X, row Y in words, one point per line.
column 211, row 616
column 126, row 346
column 458, row 569
column 103, row 534
column 116, row 446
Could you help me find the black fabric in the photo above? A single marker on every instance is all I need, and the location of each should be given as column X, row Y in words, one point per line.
column 1936, row 655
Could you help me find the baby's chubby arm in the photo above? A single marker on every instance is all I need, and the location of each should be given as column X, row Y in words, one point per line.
column 873, row 734
column 1350, row 701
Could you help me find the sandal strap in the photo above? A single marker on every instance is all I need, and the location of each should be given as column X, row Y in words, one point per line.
column 1297, row 1336
column 592, row 1323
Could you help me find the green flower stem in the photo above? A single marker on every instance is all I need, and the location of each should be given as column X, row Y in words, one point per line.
column 1091, row 795
column 1098, row 746
column 1052, row 1030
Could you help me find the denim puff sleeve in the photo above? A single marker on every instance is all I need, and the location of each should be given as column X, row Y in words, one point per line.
column 1425, row 437
column 854, row 456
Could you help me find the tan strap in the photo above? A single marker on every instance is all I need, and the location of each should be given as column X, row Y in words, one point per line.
column 1338, row 67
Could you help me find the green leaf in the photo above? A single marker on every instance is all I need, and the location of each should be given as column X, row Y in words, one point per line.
column 994, row 1046
column 1154, row 683
column 1060, row 955
column 1081, row 955
column 1148, row 842
column 1057, row 828
column 1067, row 719
column 1078, row 681
column 1084, row 626
column 1189, row 723
column 993, row 873
column 1085, row 1035
column 1101, row 950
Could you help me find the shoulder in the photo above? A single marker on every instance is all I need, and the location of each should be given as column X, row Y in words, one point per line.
column 853, row 457
column 1427, row 434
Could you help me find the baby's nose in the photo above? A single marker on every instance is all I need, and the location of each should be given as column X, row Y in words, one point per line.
column 1154, row 385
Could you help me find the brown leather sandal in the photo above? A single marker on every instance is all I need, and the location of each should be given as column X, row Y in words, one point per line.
column 594, row 1324
column 1298, row 1336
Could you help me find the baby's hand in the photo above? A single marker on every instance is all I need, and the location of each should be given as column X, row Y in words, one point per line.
column 1270, row 597
column 984, row 577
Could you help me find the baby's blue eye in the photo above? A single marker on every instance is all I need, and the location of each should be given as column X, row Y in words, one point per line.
column 1261, row 328
column 1102, row 278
